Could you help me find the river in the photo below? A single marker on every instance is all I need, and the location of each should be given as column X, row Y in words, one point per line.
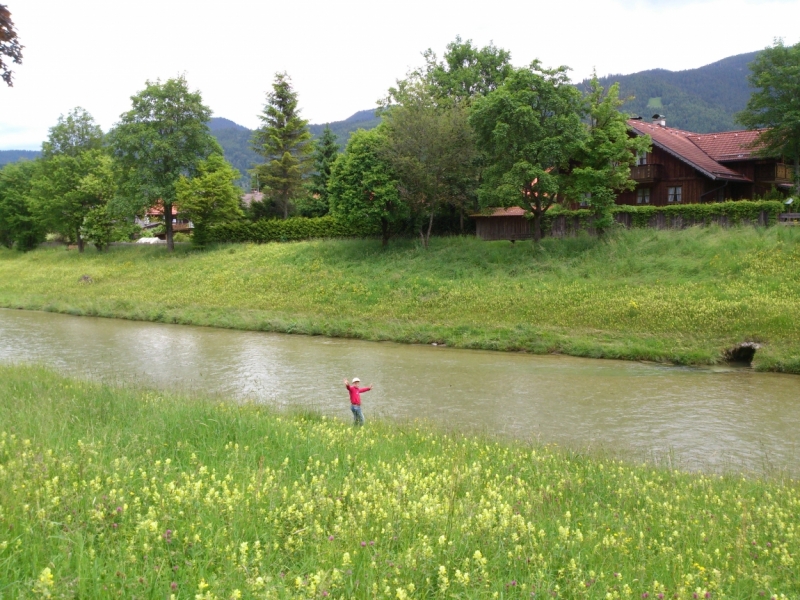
column 711, row 418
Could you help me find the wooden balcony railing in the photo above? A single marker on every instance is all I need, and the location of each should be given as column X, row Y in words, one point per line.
column 646, row 173
column 775, row 173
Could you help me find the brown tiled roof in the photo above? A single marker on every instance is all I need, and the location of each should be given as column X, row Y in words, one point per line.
column 728, row 145
column 680, row 144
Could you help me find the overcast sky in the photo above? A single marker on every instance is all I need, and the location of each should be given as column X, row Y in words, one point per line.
column 342, row 56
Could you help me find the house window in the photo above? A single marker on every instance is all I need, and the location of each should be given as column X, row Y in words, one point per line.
column 586, row 199
column 643, row 196
column 641, row 159
column 674, row 194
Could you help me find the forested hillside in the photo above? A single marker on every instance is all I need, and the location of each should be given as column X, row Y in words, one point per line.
column 9, row 156
column 702, row 100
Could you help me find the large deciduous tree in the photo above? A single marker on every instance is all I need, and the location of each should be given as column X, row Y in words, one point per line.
column 9, row 45
column 75, row 175
column 605, row 156
column 285, row 143
column 164, row 137
column 326, row 152
column 775, row 103
column 431, row 149
column 19, row 226
column 528, row 129
column 210, row 197
column 363, row 188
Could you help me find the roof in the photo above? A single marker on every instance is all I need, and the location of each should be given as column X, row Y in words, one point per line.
column 728, row 145
column 251, row 197
column 512, row 211
column 681, row 144
column 157, row 210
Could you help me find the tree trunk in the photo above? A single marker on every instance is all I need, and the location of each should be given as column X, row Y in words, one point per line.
column 384, row 232
column 286, row 207
column 430, row 227
column 461, row 220
column 79, row 239
column 537, row 226
column 168, row 226
column 797, row 175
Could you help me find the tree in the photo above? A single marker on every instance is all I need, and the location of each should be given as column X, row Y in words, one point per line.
column 466, row 71
column 210, row 197
column 326, row 151
column 9, row 45
column 163, row 137
column 528, row 129
column 19, row 226
column 66, row 188
column 775, row 103
column 363, row 188
column 285, row 143
column 605, row 156
column 430, row 147
column 75, row 175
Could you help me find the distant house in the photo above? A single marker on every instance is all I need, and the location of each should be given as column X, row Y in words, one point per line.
column 685, row 167
column 249, row 198
column 154, row 217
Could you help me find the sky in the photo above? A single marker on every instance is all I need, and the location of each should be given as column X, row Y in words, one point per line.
column 342, row 56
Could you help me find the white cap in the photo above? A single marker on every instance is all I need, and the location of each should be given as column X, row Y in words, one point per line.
column 356, row 380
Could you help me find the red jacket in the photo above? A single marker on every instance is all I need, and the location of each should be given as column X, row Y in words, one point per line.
column 355, row 394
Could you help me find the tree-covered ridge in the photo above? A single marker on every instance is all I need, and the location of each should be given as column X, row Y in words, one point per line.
column 704, row 100
column 10, row 156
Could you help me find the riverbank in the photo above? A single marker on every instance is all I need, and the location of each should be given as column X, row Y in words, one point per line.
column 109, row 491
column 670, row 296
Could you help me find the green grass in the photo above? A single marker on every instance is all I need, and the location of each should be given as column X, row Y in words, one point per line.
column 675, row 296
column 117, row 492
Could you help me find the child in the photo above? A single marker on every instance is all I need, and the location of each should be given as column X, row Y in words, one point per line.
column 355, row 399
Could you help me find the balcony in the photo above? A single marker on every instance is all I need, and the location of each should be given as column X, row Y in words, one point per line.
column 775, row 173
column 646, row 173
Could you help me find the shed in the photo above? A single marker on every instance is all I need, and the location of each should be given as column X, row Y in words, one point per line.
column 503, row 224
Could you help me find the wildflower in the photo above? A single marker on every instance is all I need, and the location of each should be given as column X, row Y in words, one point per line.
column 173, row 585
column 330, row 538
column 44, row 583
column 346, row 559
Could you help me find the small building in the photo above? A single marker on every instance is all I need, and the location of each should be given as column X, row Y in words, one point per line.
column 685, row 167
column 503, row 224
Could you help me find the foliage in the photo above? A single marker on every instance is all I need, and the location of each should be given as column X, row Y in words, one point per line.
column 157, row 494
column 235, row 142
column 19, row 227
column 529, row 129
column 326, row 151
column 697, row 292
column 431, row 148
column 363, row 187
column 210, row 197
column 775, row 103
column 681, row 215
column 9, row 45
column 703, row 100
column 286, row 230
column 606, row 156
column 162, row 138
column 466, row 72
column 74, row 178
column 283, row 140
column 98, row 227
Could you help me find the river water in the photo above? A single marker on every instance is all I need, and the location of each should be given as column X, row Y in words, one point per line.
column 714, row 418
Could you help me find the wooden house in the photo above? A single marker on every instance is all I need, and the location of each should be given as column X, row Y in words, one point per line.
column 685, row 167
column 503, row 224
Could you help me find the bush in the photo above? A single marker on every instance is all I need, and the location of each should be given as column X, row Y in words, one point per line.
column 731, row 212
column 285, row 230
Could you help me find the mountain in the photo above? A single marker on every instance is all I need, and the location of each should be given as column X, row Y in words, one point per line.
column 235, row 138
column 9, row 156
column 702, row 100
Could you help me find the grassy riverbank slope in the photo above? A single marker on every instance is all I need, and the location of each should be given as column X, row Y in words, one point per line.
column 680, row 296
column 112, row 492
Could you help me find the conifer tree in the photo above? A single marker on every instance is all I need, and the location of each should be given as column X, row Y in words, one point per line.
column 326, row 151
column 285, row 143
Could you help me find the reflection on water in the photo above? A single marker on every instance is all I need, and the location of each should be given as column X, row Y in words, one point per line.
column 710, row 417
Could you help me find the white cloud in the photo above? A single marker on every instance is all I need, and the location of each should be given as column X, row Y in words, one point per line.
column 342, row 56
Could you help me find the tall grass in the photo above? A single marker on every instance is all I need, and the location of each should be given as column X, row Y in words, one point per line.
column 681, row 296
column 110, row 492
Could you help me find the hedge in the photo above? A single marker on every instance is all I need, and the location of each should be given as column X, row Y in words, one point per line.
column 285, row 230
column 730, row 212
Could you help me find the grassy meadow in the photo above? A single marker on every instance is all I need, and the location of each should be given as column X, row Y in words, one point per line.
column 109, row 492
column 677, row 296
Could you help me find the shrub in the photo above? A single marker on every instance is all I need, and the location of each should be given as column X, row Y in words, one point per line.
column 286, row 230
